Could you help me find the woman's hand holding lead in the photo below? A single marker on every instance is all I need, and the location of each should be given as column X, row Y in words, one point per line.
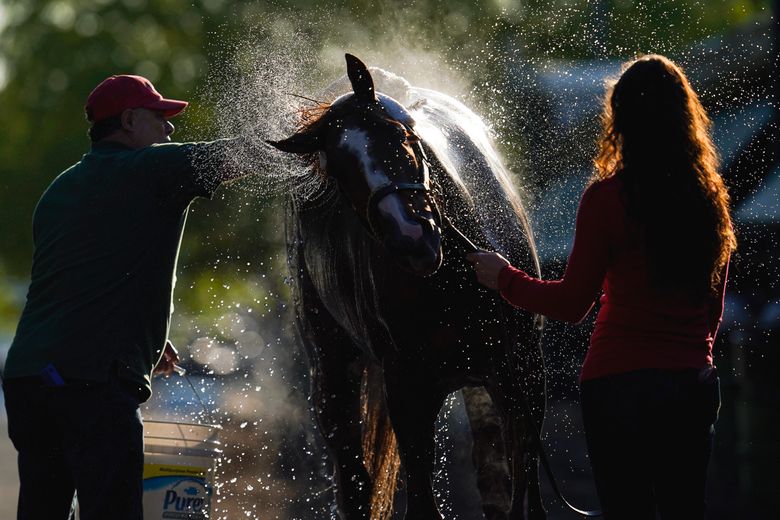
column 487, row 265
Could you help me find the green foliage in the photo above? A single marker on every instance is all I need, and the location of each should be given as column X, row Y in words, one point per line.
column 621, row 28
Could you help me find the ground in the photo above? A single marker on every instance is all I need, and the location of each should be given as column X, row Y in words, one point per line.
column 9, row 481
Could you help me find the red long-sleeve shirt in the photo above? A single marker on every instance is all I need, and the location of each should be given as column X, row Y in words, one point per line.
column 638, row 326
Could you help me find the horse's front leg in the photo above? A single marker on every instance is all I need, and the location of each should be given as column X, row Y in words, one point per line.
column 336, row 398
column 521, row 400
column 494, row 480
column 336, row 374
column 414, row 403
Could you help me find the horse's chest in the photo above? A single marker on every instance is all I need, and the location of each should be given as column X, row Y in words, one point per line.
column 376, row 302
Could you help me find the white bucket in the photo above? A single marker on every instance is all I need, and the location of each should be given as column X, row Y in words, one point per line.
column 179, row 463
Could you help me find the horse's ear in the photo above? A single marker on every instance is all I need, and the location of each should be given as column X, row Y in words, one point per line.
column 362, row 82
column 302, row 142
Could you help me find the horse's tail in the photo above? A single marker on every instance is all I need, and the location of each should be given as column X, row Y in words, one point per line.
column 380, row 449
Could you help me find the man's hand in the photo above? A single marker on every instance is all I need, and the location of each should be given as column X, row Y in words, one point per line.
column 169, row 358
column 487, row 265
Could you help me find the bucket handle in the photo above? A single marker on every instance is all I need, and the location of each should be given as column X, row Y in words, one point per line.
column 183, row 373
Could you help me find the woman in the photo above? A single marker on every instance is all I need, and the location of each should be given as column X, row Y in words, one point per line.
column 653, row 232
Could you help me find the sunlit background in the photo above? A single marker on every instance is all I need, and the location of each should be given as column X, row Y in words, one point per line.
column 533, row 69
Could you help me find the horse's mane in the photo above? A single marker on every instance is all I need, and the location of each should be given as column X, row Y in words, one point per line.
column 463, row 148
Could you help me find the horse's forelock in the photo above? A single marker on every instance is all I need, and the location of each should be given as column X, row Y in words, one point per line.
column 309, row 115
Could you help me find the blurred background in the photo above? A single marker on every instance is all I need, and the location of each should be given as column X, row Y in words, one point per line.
column 533, row 69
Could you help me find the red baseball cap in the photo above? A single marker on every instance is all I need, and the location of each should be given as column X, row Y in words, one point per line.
column 118, row 93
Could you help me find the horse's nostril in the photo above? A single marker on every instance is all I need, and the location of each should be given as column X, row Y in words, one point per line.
column 428, row 224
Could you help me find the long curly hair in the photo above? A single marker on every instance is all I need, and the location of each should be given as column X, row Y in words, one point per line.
column 656, row 138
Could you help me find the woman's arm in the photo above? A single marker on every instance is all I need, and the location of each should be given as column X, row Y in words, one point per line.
column 572, row 297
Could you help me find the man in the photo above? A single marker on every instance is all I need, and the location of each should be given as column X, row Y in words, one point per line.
column 106, row 233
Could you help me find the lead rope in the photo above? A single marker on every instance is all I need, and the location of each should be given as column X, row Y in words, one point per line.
column 537, row 438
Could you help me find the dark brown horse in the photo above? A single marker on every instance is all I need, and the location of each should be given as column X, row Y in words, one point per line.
column 383, row 294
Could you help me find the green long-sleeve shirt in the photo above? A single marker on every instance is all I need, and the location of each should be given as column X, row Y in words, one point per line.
column 106, row 234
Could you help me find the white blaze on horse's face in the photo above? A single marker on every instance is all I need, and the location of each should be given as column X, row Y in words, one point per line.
column 357, row 143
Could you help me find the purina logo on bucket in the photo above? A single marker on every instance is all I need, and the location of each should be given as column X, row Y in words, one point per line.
column 184, row 503
column 176, row 493
column 186, row 500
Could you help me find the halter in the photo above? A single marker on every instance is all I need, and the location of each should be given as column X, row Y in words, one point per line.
column 378, row 194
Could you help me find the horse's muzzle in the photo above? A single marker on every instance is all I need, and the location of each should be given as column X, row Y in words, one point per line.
column 421, row 257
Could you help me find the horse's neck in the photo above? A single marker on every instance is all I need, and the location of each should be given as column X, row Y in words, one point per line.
column 475, row 198
column 454, row 204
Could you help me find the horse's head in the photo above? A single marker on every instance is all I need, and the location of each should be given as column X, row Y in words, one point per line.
column 367, row 143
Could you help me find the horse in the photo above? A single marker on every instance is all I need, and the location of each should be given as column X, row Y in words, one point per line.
column 390, row 313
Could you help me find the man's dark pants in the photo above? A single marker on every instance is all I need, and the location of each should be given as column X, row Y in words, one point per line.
column 649, row 435
column 82, row 436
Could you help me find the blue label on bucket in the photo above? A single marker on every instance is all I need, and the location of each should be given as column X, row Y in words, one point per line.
column 168, row 496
